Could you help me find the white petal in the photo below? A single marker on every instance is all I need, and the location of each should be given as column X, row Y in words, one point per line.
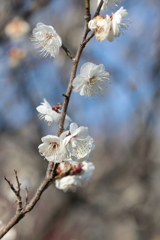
column 73, row 127
column 41, row 109
column 64, row 134
column 48, row 118
column 88, row 171
column 46, row 104
column 86, row 67
column 50, row 138
column 83, row 132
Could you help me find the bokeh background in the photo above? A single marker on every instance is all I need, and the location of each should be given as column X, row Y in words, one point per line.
column 122, row 201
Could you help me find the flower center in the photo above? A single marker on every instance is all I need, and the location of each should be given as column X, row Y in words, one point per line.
column 49, row 36
column 112, row 16
column 52, row 147
column 56, row 108
column 92, row 81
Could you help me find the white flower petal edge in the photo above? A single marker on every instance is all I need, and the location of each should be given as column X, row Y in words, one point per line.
column 52, row 149
column 109, row 4
column 118, row 25
column 78, row 143
column 46, row 38
column 91, row 80
column 70, row 183
column 51, row 114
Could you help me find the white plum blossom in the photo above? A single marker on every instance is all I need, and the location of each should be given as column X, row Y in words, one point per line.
column 87, row 173
column 78, row 143
column 109, row 27
column 51, row 114
column 71, row 182
column 46, row 38
column 68, row 183
column 101, row 26
column 118, row 24
column 91, row 79
column 108, row 4
column 52, row 149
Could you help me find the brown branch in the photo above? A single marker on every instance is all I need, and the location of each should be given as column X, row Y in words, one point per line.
column 26, row 199
column 16, row 192
column 98, row 8
column 51, row 170
column 87, row 6
column 19, row 199
column 87, row 18
column 29, row 206
column 67, row 52
column 89, row 38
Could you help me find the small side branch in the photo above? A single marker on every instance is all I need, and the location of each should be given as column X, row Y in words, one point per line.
column 26, row 199
column 87, row 6
column 64, row 95
column 67, row 52
column 16, row 191
column 89, row 38
column 28, row 206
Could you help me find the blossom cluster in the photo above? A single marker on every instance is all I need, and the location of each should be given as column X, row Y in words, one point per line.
column 72, row 149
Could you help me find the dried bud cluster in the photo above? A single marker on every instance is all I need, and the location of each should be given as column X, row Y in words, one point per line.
column 72, row 149
column 78, row 174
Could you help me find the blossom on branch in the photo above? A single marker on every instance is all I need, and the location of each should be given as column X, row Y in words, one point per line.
column 109, row 27
column 83, row 173
column 52, row 149
column 52, row 114
column 78, row 143
column 108, row 4
column 101, row 26
column 91, row 79
column 118, row 24
column 46, row 38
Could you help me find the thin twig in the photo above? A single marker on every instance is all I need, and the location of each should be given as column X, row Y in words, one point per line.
column 19, row 215
column 19, row 199
column 16, row 192
column 98, row 8
column 26, row 199
column 67, row 52
column 89, row 38
column 10, row 184
column 64, row 95
column 87, row 6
